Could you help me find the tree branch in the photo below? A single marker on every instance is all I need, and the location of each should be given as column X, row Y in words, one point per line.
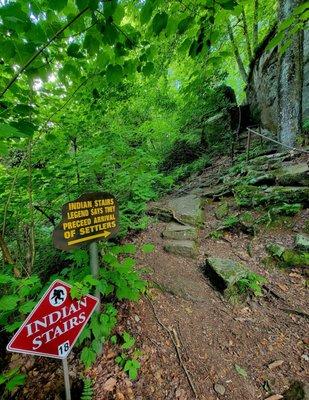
column 246, row 33
column 241, row 67
column 50, row 218
column 35, row 55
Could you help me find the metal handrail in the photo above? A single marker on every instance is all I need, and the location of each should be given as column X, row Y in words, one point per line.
column 271, row 140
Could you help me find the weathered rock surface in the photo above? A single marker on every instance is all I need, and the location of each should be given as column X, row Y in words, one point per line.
column 297, row 174
column 185, row 248
column 262, row 83
column 187, row 209
column 302, row 242
column 176, row 231
column 249, row 195
column 224, row 273
column 297, row 391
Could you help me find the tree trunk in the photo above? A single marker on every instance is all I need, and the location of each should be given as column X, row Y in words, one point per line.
column 5, row 251
column 240, row 64
column 290, row 81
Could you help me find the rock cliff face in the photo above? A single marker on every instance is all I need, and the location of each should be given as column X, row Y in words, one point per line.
column 263, row 83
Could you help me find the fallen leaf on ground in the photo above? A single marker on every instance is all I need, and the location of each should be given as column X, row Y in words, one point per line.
column 241, row 371
column 275, row 364
column 109, row 384
column 275, row 397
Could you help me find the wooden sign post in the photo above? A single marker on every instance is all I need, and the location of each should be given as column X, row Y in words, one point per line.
column 90, row 218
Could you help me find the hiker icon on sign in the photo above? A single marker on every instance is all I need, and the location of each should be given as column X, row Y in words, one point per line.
column 57, row 296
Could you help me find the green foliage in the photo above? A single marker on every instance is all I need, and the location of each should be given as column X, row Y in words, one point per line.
column 87, row 390
column 12, row 379
column 252, row 284
column 129, row 341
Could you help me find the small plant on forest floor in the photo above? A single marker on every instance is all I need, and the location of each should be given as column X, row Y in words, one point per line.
column 280, row 215
column 251, row 284
column 128, row 360
column 12, row 379
column 87, row 390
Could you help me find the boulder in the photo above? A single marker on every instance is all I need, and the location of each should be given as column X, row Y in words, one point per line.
column 224, row 273
column 297, row 174
column 302, row 242
column 275, row 250
column 249, row 195
column 288, row 257
column 187, row 209
column 185, row 248
column 176, row 231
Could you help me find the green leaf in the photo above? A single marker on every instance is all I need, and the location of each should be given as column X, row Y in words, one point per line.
column 287, row 43
column 26, row 127
column 27, row 307
column 148, row 69
column 82, row 4
column 8, row 302
column 6, row 279
column 241, row 371
column 7, row 49
column 8, row 131
column 96, row 345
column 275, row 41
column 88, row 356
column 148, row 248
column 286, row 23
column 114, row 73
column 13, row 327
column 129, row 341
column 159, row 22
column 91, row 44
column 184, row 25
column 228, row 4
column 73, row 50
column 16, row 381
column 109, row 8
column 147, row 11
column 58, row 5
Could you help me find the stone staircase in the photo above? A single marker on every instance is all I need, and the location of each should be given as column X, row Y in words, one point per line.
column 184, row 215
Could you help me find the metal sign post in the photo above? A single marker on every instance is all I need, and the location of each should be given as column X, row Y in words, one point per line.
column 66, row 379
column 94, row 265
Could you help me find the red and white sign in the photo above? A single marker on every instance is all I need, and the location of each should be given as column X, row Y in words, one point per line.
column 54, row 325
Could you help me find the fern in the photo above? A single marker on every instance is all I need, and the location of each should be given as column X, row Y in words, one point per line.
column 87, row 390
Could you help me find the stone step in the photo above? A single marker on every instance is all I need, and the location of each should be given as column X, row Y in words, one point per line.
column 187, row 209
column 302, row 242
column 185, row 248
column 176, row 231
column 224, row 273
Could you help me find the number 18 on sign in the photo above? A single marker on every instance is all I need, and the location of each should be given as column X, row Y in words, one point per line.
column 54, row 325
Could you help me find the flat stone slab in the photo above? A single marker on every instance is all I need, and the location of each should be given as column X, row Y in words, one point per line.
column 176, row 231
column 224, row 273
column 187, row 209
column 297, row 174
column 302, row 242
column 185, row 248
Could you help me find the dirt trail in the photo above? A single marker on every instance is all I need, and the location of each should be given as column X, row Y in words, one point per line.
column 215, row 335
